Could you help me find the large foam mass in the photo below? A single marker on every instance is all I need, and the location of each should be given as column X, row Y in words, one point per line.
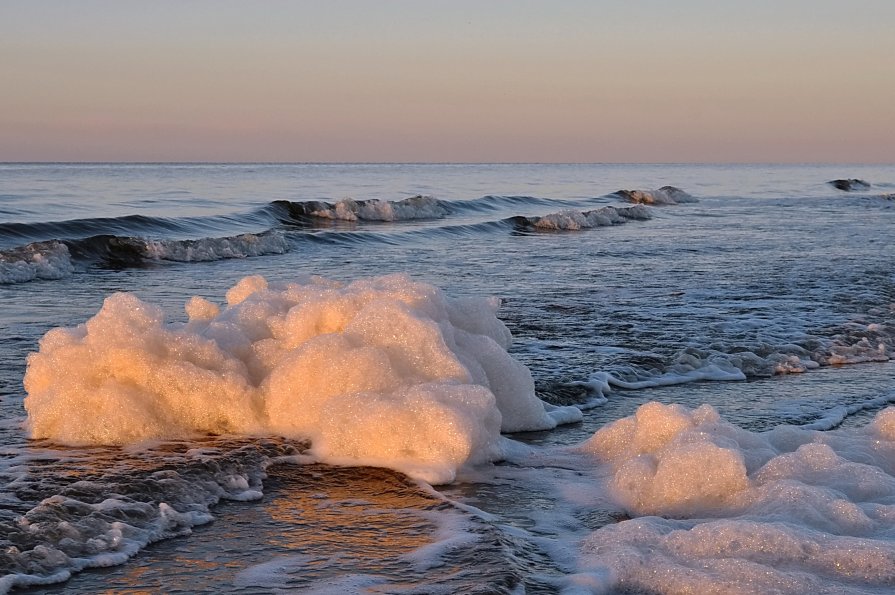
column 383, row 371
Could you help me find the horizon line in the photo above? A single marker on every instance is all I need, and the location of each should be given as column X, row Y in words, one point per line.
column 682, row 163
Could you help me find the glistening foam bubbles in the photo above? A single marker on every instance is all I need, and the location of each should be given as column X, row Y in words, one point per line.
column 383, row 371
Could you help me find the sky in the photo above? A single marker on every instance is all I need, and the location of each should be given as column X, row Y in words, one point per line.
column 448, row 81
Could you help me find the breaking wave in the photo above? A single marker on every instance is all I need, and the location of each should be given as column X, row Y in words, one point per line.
column 40, row 260
column 348, row 209
column 58, row 259
column 666, row 195
column 569, row 220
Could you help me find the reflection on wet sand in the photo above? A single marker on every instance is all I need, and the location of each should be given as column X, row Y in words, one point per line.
column 320, row 527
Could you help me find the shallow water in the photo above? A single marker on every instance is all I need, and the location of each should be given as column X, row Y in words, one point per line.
column 772, row 270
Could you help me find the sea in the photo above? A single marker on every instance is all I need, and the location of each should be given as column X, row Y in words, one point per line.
column 447, row 378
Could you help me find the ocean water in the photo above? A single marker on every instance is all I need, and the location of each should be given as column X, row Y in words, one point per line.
column 446, row 378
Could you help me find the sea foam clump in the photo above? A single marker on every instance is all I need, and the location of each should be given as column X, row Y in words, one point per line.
column 382, row 371
column 785, row 511
column 670, row 460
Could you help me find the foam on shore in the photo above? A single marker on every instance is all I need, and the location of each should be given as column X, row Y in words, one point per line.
column 382, row 371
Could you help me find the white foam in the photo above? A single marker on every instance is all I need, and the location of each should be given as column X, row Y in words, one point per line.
column 41, row 260
column 383, row 371
column 788, row 511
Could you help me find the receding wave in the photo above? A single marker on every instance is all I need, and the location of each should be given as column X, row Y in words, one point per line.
column 666, row 195
column 850, row 343
column 122, row 502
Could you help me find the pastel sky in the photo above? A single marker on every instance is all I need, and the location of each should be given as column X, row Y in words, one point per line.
column 461, row 81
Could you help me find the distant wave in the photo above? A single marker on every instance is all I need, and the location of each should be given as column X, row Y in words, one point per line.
column 56, row 259
column 58, row 249
column 666, row 195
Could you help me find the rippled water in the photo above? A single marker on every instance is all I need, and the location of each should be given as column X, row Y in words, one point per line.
column 772, row 270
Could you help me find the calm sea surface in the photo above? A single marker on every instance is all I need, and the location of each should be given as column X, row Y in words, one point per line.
column 762, row 291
